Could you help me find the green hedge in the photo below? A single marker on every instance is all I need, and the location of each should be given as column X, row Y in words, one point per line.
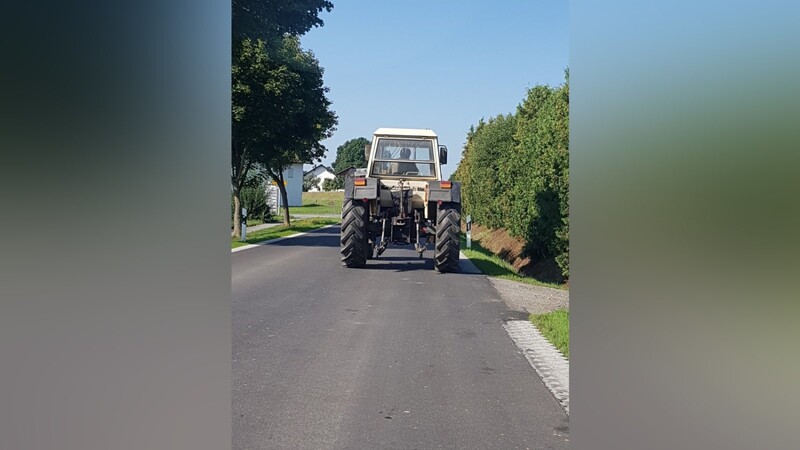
column 254, row 198
column 515, row 173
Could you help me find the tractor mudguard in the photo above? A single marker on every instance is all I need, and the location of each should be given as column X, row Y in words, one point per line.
column 436, row 192
column 368, row 191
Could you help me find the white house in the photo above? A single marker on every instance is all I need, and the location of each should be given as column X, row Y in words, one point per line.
column 293, row 179
column 321, row 173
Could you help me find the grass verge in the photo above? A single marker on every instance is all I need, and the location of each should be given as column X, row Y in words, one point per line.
column 315, row 209
column 251, row 222
column 320, row 203
column 297, row 226
column 554, row 326
column 494, row 266
column 254, row 222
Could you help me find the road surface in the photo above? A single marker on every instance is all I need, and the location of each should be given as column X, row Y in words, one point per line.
column 393, row 356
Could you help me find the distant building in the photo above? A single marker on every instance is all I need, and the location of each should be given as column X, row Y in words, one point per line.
column 348, row 172
column 293, row 179
column 321, row 173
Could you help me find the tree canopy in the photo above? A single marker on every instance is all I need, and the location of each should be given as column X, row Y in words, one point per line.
column 351, row 153
column 267, row 19
column 279, row 108
column 515, row 173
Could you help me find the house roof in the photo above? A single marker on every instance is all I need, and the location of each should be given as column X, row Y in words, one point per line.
column 316, row 167
column 341, row 172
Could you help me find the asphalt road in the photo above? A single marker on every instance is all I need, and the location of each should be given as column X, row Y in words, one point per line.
column 393, row 356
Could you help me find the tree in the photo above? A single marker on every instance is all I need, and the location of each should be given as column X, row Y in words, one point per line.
column 280, row 111
column 334, row 183
column 486, row 190
column 303, row 122
column 540, row 164
column 329, row 184
column 250, row 98
column 310, row 183
column 268, row 70
column 349, row 154
column 514, row 172
column 266, row 19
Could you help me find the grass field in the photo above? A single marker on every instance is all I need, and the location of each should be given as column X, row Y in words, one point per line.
column 297, row 226
column 319, row 203
column 492, row 265
column 554, row 326
column 254, row 222
column 251, row 222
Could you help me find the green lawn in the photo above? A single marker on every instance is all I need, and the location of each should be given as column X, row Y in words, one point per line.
column 254, row 222
column 492, row 265
column 297, row 226
column 319, row 203
column 251, row 222
column 554, row 326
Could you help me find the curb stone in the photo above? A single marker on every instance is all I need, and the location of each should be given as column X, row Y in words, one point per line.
column 549, row 363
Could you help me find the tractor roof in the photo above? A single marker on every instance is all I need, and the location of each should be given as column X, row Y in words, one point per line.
column 415, row 132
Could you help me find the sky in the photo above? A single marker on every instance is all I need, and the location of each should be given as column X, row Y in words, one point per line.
column 438, row 64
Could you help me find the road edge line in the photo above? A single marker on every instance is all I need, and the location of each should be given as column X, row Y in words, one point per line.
column 466, row 265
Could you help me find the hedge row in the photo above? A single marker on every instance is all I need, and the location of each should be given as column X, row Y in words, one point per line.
column 254, row 198
column 515, row 173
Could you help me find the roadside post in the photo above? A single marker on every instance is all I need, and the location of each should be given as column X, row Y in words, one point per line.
column 244, row 225
column 469, row 231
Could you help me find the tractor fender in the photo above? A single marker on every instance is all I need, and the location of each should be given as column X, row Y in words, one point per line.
column 435, row 192
column 368, row 191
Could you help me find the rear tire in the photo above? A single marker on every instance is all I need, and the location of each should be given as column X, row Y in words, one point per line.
column 354, row 239
column 448, row 231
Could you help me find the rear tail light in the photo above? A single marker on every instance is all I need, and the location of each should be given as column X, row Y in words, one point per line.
column 360, row 182
column 446, row 184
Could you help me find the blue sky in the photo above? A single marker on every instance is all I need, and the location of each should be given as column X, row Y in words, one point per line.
column 435, row 64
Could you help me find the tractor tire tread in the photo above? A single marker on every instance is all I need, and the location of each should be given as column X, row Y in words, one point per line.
column 353, row 237
column 448, row 232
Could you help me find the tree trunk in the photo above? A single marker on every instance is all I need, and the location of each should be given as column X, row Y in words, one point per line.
column 241, row 165
column 284, row 199
column 237, row 214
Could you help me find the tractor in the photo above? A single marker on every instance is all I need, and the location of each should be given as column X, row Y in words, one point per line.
column 401, row 199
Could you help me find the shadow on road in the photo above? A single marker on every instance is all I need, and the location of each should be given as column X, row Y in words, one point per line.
column 405, row 264
column 401, row 258
column 328, row 237
column 399, row 264
column 310, row 241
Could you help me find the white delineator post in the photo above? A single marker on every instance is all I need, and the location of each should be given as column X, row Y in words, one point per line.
column 469, row 231
column 244, row 225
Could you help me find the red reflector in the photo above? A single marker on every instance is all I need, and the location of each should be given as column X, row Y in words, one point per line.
column 439, row 203
column 360, row 182
column 365, row 199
